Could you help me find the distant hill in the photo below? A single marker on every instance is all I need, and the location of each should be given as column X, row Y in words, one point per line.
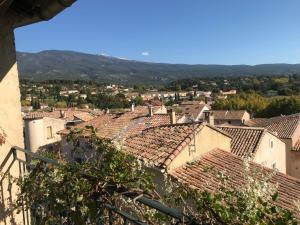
column 48, row 65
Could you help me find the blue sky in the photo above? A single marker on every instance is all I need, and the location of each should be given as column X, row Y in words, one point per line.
column 174, row 31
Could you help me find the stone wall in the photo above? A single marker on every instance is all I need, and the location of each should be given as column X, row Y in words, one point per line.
column 10, row 116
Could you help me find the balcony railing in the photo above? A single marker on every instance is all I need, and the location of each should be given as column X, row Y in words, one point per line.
column 110, row 214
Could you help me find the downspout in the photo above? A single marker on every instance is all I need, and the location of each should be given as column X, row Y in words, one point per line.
column 47, row 12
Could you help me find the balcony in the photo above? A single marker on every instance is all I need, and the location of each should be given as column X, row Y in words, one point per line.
column 109, row 214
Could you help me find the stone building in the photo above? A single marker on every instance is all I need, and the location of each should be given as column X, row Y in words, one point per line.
column 14, row 14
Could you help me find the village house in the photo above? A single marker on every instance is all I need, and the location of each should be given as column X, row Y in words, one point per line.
column 119, row 126
column 232, row 117
column 197, row 176
column 259, row 145
column 203, row 93
column 230, row 92
column 40, row 128
column 193, row 111
column 44, row 106
column 83, row 96
column 287, row 128
column 167, row 147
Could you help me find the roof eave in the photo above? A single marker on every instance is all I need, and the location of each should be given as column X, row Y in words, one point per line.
column 47, row 12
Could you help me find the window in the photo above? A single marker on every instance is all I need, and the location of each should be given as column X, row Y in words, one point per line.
column 271, row 143
column 49, row 132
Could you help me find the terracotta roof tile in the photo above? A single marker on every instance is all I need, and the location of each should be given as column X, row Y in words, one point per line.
column 192, row 110
column 196, row 176
column 228, row 114
column 71, row 114
column 245, row 140
column 284, row 126
column 158, row 146
column 120, row 126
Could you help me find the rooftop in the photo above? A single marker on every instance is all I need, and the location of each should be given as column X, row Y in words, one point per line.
column 69, row 114
column 119, row 126
column 229, row 114
column 158, row 146
column 192, row 110
column 245, row 140
column 284, row 126
column 196, row 176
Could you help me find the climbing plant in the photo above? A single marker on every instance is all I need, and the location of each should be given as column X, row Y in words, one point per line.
column 76, row 192
column 251, row 201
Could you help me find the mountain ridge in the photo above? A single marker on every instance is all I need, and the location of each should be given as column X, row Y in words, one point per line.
column 72, row 65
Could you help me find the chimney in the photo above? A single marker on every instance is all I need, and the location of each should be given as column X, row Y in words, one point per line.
column 209, row 117
column 150, row 108
column 132, row 107
column 172, row 115
column 63, row 114
column 107, row 111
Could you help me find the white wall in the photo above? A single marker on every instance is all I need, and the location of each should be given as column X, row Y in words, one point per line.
column 266, row 155
column 36, row 132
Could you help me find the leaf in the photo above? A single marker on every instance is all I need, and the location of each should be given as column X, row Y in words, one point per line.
column 275, row 196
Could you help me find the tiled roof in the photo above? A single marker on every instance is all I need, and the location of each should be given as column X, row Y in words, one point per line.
column 245, row 140
column 284, row 126
column 257, row 122
column 228, row 114
column 115, row 126
column 197, row 176
column 192, row 110
column 71, row 114
column 84, row 116
column 148, row 122
column 158, row 146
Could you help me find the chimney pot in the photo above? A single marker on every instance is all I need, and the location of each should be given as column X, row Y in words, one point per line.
column 150, row 108
column 209, row 118
column 63, row 114
column 172, row 115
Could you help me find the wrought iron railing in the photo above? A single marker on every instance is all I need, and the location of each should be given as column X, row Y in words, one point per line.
column 23, row 159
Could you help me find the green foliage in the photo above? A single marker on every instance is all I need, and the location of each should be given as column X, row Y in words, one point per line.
column 35, row 103
column 74, row 193
column 252, row 201
column 260, row 106
column 252, row 102
column 104, row 101
column 138, row 101
column 61, row 104
column 25, row 103
column 283, row 106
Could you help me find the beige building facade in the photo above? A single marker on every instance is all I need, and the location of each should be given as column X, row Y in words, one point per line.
column 11, row 123
column 10, row 115
column 41, row 133
column 271, row 153
column 206, row 140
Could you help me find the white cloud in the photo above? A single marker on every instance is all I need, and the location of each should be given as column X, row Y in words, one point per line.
column 145, row 53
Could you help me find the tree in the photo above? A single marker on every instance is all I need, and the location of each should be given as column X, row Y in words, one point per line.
column 138, row 101
column 61, row 104
column 25, row 103
column 35, row 103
